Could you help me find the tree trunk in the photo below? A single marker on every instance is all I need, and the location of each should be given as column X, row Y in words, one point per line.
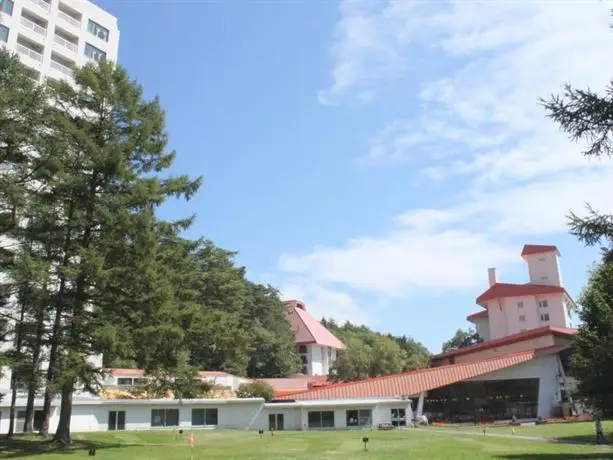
column 600, row 437
column 18, row 341
column 51, row 369
column 62, row 434
column 33, row 382
column 28, row 425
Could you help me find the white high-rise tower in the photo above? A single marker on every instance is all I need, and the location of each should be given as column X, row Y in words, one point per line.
column 51, row 36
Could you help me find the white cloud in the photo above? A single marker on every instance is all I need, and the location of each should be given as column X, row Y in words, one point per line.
column 515, row 175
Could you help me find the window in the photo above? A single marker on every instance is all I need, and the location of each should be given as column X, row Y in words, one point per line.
column 321, row 419
column 543, row 278
column 544, row 317
column 305, row 370
column 360, row 417
column 37, row 420
column 522, row 318
column 98, row 30
column 124, row 381
column 4, row 34
column 303, row 359
column 94, row 53
column 541, row 259
column 399, row 417
column 117, row 420
column 6, row 6
column 543, row 303
column 164, row 417
column 520, row 304
column 302, row 349
column 202, row 417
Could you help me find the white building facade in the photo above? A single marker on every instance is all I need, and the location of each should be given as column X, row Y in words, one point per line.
column 91, row 415
column 54, row 36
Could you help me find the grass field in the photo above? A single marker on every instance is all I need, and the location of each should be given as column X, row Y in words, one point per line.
column 422, row 443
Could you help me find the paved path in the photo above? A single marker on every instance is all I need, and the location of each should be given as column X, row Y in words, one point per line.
column 510, row 436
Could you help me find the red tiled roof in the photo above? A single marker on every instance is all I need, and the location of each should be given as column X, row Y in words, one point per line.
column 479, row 314
column 125, row 371
column 415, row 382
column 499, row 290
column 537, row 249
column 513, row 338
column 308, row 330
column 212, row 373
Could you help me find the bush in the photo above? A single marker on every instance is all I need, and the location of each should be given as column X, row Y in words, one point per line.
column 257, row 389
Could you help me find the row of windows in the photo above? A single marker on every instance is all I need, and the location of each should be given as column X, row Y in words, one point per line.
column 541, row 304
column 6, row 6
column 544, row 317
column 90, row 51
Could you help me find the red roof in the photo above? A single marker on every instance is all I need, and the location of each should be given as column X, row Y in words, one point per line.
column 509, row 339
column 125, row 371
column 501, row 290
column 212, row 373
column 479, row 314
column 307, row 330
column 538, row 249
column 415, row 382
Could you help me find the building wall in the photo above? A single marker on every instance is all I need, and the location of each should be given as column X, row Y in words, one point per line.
column 238, row 414
column 482, row 326
column 320, row 359
column 545, row 369
column 505, row 315
column 43, row 62
column 544, row 269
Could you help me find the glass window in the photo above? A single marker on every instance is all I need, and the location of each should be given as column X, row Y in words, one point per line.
column 302, row 349
column 164, row 417
column 399, row 417
column 544, row 317
column 520, row 304
column 4, row 34
column 94, row 53
column 97, row 30
column 543, row 303
column 124, row 381
column 318, row 419
column 6, row 6
column 197, row 417
column 201, row 417
column 359, row 417
column 522, row 318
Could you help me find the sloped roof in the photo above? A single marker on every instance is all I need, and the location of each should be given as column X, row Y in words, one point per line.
column 415, row 382
column 118, row 371
column 509, row 339
column 538, row 249
column 501, row 290
column 479, row 314
column 307, row 330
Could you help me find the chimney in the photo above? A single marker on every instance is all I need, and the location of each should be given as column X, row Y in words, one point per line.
column 491, row 275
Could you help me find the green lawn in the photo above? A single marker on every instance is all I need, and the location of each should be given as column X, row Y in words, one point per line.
column 574, row 432
column 426, row 443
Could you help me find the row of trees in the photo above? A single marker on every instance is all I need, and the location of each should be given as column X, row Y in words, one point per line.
column 370, row 354
column 86, row 265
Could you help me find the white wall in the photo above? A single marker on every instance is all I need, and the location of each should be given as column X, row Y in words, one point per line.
column 482, row 326
column 320, row 359
column 504, row 314
column 544, row 269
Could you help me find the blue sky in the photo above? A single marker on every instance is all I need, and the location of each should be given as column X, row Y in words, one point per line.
column 375, row 158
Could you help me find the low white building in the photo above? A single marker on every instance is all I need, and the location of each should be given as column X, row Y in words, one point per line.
column 94, row 414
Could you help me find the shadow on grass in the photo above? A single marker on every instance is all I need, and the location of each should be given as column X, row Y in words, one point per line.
column 23, row 447
column 560, row 456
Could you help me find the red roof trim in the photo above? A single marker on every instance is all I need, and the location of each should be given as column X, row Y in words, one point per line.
column 508, row 340
column 530, row 249
column 478, row 315
column 503, row 290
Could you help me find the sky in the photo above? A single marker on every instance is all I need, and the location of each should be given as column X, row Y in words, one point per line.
column 375, row 158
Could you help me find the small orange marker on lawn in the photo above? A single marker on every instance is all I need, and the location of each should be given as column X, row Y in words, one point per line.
column 190, row 440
